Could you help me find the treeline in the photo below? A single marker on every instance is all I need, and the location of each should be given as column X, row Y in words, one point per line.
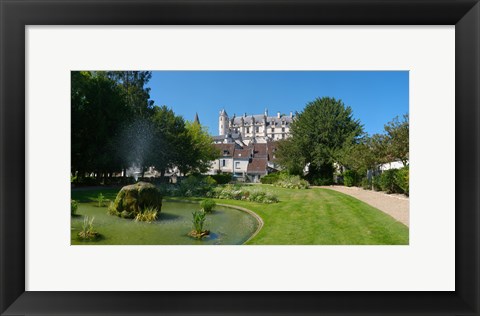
column 115, row 125
column 326, row 140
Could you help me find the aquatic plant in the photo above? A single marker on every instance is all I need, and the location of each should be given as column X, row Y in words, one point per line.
column 101, row 200
column 73, row 207
column 199, row 218
column 148, row 215
column 88, row 232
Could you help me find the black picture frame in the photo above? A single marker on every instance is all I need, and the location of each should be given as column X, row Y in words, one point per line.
column 16, row 14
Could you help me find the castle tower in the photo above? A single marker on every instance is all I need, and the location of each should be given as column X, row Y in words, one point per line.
column 222, row 123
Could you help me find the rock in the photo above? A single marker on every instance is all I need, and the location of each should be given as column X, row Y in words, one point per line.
column 133, row 199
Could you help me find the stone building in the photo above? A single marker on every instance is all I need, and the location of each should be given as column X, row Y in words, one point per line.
column 258, row 128
column 248, row 143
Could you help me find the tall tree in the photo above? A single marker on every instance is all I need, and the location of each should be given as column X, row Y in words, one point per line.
column 397, row 139
column 320, row 133
column 198, row 156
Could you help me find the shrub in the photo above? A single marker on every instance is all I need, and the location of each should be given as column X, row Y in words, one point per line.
column 195, row 185
column 88, row 231
column 322, row 181
column 73, row 207
column 270, row 178
column 148, row 215
column 291, row 182
column 350, row 178
column 236, row 192
column 402, row 179
column 222, row 178
column 208, row 205
column 387, row 181
column 376, row 183
column 366, row 184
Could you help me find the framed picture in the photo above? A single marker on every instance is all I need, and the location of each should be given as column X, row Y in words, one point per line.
column 280, row 280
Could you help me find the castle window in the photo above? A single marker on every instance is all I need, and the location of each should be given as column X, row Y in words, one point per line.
column 237, row 164
column 223, row 163
column 248, row 130
column 283, row 129
column 256, row 129
column 283, row 135
column 273, row 130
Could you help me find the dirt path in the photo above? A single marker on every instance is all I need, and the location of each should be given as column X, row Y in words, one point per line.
column 395, row 205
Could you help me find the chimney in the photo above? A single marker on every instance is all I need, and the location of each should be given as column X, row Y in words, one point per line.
column 291, row 114
column 278, row 114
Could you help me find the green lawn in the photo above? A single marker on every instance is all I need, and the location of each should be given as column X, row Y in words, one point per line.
column 311, row 217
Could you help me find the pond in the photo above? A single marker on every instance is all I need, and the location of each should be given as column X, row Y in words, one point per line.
column 228, row 226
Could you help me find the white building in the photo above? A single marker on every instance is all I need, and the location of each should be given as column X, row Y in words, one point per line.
column 253, row 128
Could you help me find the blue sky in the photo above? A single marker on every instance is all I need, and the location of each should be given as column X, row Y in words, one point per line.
column 375, row 97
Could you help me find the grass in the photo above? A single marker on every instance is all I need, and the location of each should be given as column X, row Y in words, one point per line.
column 310, row 217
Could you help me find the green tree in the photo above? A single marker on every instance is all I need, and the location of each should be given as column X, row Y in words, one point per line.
column 168, row 141
column 200, row 152
column 320, row 133
column 97, row 115
column 397, row 139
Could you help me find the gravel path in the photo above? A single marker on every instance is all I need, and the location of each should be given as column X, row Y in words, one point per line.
column 395, row 205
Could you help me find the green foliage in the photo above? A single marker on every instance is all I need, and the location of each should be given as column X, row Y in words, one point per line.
column 111, row 210
column 195, row 185
column 73, row 207
column 133, row 199
column 222, row 178
column 366, row 184
column 236, row 192
column 88, row 232
column 319, row 134
column 397, row 139
column 285, row 180
column 207, row 205
column 376, row 183
column 270, row 178
column 101, row 200
column 199, row 218
column 350, row 178
column 402, row 179
column 149, row 214
column 387, row 181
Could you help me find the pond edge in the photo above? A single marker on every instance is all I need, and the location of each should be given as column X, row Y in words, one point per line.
column 246, row 210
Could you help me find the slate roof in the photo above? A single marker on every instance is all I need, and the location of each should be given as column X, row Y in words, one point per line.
column 257, row 166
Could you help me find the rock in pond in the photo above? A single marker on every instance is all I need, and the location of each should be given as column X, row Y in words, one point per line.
column 135, row 198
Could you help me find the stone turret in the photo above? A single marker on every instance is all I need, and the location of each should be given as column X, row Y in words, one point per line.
column 223, row 123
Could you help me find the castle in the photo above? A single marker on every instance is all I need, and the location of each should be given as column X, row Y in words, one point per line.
column 258, row 128
column 247, row 144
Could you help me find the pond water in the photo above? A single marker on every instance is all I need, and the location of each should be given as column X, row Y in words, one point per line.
column 228, row 226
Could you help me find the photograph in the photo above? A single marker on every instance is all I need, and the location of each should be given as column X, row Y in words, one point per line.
column 248, row 157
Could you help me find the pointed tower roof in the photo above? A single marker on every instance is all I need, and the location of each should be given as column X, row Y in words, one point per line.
column 196, row 120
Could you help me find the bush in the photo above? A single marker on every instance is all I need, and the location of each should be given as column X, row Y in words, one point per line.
column 376, row 183
column 222, row 178
column 387, row 181
column 291, row 182
column 402, row 180
column 195, row 185
column 236, row 192
column 366, row 184
column 208, row 205
column 73, row 207
column 322, row 181
column 270, row 178
column 350, row 178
